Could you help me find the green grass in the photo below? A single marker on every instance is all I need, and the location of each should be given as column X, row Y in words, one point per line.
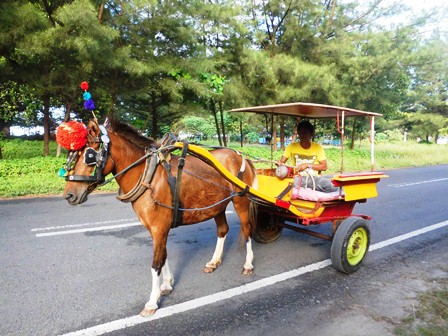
column 387, row 156
column 24, row 171
column 430, row 317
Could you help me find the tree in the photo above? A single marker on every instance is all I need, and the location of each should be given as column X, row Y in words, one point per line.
column 50, row 53
column 429, row 87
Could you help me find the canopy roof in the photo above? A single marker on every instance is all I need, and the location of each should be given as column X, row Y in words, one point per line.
column 307, row 110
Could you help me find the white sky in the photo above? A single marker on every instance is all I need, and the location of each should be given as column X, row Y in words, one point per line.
column 420, row 6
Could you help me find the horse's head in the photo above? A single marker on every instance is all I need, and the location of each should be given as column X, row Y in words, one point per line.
column 87, row 167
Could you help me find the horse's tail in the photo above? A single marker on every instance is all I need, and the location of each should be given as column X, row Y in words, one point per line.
column 253, row 207
column 253, row 215
column 249, row 176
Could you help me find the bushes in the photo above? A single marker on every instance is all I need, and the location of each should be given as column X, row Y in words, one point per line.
column 25, row 149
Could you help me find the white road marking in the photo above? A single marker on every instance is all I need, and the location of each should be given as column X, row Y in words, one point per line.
column 99, row 228
column 405, row 236
column 232, row 292
column 400, row 185
column 48, row 228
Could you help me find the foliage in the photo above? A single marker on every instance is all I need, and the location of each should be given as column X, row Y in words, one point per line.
column 25, row 149
column 424, row 125
column 18, row 103
column 151, row 63
column 252, row 137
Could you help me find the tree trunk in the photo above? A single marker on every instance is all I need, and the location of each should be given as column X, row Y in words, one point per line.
column 101, row 11
column 213, row 108
column 155, row 125
column 224, row 139
column 6, row 129
column 46, row 112
column 241, row 134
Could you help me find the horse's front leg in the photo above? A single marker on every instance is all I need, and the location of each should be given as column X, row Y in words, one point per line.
column 158, row 266
column 217, row 255
column 167, row 279
column 222, row 229
column 152, row 305
column 158, row 290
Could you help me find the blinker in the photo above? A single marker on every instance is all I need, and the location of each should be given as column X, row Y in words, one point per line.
column 91, row 156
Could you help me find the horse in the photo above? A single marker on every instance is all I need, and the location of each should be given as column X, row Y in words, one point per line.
column 201, row 192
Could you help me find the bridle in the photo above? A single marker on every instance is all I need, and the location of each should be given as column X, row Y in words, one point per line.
column 99, row 159
column 91, row 157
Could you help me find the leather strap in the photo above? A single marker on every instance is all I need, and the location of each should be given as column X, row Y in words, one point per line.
column 177, row 220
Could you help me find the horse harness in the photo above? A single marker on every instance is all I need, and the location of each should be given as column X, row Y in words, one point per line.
column 163, row 157
column 152, row 158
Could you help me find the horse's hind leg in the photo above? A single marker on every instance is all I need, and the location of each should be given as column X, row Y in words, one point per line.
column 222, row 230
column 248, row 268
column 242, row 209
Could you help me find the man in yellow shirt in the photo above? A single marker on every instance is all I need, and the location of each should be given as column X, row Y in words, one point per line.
column 308, row 158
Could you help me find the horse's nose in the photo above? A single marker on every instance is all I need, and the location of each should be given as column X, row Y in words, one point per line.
column 71, row 198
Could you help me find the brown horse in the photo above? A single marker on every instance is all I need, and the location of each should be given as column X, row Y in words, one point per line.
column 204, row 193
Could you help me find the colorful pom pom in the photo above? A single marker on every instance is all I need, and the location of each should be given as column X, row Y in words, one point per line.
column 72, row 135
column 87, row 95
column 84, row 86
column 89, row 104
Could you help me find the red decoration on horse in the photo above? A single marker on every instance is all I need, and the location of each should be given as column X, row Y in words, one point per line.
column 72, row 135
column 84, row 86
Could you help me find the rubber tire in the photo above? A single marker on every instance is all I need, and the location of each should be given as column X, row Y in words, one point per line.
column 268, row 228
column 354, row 228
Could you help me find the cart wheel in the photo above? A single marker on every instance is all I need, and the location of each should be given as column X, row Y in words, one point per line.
column 350, row 244
column 268, row 228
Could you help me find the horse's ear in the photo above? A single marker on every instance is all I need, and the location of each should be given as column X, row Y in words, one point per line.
column 93, row 129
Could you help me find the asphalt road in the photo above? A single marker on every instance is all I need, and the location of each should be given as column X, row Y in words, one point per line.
column 67, row 268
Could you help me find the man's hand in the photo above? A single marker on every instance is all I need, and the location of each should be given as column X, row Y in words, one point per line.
column 301, row 167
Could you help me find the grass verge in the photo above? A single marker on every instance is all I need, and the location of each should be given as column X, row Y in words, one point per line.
column 24, row 171
column 430, row 317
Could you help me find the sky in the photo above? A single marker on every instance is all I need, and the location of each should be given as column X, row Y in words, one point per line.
column 419, row 6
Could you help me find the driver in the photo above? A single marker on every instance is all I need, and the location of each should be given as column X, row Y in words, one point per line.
column 308, row 159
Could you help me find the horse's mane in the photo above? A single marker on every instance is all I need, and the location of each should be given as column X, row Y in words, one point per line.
column 131, row 134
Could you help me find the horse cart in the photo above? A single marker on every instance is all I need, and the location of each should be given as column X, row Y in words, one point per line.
column 167, row 190
column 277, row 209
